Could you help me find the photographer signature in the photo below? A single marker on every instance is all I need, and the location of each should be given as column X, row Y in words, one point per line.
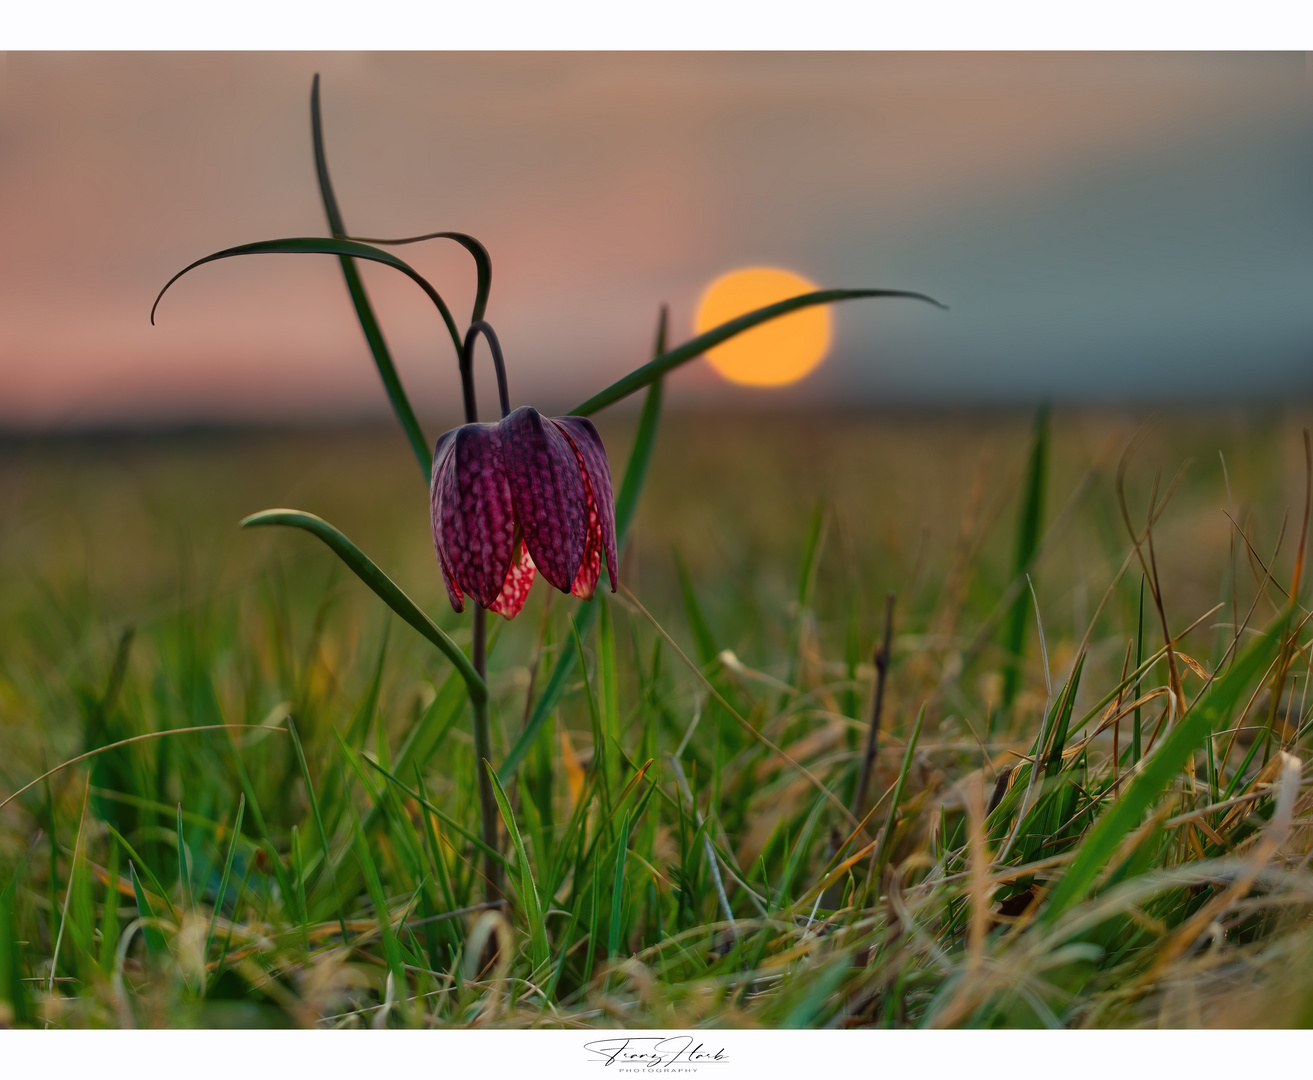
column 654, row 1053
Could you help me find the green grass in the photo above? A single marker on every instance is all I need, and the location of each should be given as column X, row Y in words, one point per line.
column 321, row 865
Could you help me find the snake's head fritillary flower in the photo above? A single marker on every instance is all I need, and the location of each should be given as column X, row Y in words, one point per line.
column 529, row 494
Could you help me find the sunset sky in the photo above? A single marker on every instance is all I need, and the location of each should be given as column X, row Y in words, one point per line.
column 1104, row 227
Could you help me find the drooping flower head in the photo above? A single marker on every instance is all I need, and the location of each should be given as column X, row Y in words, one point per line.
column 529, row 494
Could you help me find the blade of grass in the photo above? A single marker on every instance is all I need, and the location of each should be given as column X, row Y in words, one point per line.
column 607, row 818
column 817, row 999
column 12, row 989
column 298, row 868
column 109, row 914
column 708, row 848
column 567, row 944
column 319, row 823
column 1159, row 768
column 184, row 878
column 618, row 891
column 560, row 865
column 539, row 951
column 1063, row 720
column 72, row 874
column 881, row 853
column 155, row 943
column 266, row 842
column 1028, row 530
column 801, row 850
column 223, row 878
column 237, row 906
column 593, row 920
column 442, row 815
column 435, row 851
column 151, row 879
column 382, row 913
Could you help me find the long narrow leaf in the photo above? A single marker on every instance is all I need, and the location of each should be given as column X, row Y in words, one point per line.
column 384, row 587
column 695, row 347
column 324, row 245
column 360, row 299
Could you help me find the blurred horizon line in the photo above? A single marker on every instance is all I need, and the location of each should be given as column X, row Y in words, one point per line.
column 170, row 428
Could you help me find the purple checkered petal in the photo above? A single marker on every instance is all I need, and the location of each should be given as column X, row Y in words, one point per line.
column 473, row 514
column 443, row 475
column 547, row 487
column 592, row 456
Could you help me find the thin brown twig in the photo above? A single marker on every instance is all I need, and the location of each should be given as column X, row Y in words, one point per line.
column 1308, row 504
column 1254, row 556
column 873, row 733
column 1150, row 565
column 1262, row 591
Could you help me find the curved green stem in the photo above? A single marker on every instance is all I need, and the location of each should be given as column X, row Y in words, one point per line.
column 482, row 261
column 384, row 587
column 483, row 763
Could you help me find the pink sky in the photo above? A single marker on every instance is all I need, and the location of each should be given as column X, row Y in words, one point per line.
column 602, row 184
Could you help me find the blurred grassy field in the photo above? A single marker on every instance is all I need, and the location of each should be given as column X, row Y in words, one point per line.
column 100, row 533
column 105, row 534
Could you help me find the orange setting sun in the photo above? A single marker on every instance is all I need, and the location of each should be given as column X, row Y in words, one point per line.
column 776, row 353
